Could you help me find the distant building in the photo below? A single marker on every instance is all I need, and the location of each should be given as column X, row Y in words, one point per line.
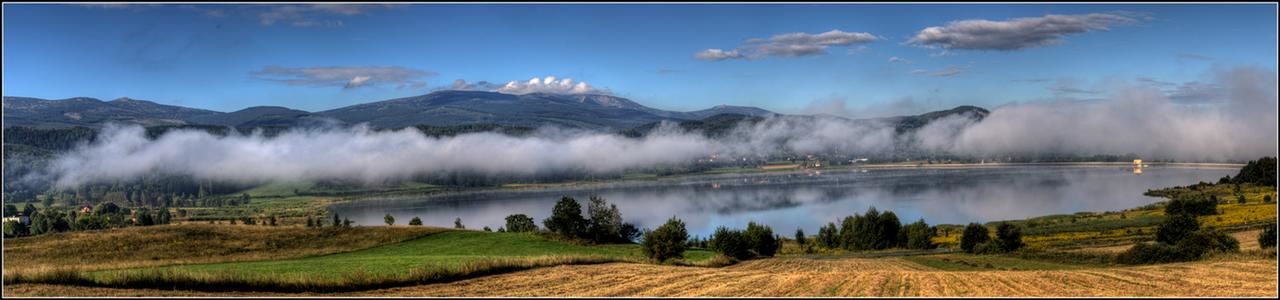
column 20, row 218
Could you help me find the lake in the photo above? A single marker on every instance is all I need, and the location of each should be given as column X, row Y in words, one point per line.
column 810, row 200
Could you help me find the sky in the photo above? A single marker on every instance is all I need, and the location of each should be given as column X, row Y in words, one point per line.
column 858, row 60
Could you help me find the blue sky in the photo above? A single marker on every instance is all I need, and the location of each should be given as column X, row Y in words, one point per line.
column 228, row 57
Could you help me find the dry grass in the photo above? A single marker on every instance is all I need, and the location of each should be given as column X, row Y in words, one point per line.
column 863, row 277
column 188, row 243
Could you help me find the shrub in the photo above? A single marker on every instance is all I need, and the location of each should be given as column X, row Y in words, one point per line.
column 1175, row 228
column 991, row 247
column 761, row 240
column 1266, row 199
column 457, row 223
column 973, row 235
column 1267, row 239
column 666, row 242
column 1010, row 236
column 1148, row 253
column 730, row 242
column 1194, row 205
column 520, row 223
column 566, row 218
column 1207, row 240
column 415, row 221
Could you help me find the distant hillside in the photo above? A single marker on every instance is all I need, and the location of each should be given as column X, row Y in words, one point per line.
column 81, row 111
column 441, row 108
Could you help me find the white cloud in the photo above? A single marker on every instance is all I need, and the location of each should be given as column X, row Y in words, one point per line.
column 789, row 45
column 347, row 77
column 1015, row 34
column 717, row 54
column 899, row 60
column 549, row 84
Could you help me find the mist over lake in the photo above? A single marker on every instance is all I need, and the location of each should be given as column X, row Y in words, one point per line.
column 810, row 200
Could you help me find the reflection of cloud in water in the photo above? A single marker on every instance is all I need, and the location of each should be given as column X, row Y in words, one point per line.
column 788, row 202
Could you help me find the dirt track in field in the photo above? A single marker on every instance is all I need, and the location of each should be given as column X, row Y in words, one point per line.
column 863, row 277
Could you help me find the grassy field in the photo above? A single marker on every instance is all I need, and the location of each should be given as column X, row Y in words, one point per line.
column 436, row 255
column 1121, row 228
column 188, row 243
column 448, row 249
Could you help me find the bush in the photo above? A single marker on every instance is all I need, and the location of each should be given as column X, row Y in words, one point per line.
column 990, row 247
column 1194, row 205
column 973, row 235
column 1267, row 239
column 731, row 243
column 666, row 242
column 415, row 221
column 1203, row 241
column 566, row 219
column 520, row 223
column 1148, row 253
column 1010, row 236
column 1175, row 228
column 760, row 239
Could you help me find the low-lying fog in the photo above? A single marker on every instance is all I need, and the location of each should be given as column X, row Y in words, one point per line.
column 1237, row 124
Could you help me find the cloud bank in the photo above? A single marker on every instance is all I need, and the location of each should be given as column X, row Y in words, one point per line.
column 1015, row 34
column 793, row 44
column 1238, row 124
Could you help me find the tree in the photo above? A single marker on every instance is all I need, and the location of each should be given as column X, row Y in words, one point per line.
column 457, row 223
column 605, row 224
column 973, row 235
column 10, row 210
column 1176, row 227
column 336, row 222
column 520, row 223
column 346, row 223
column 800, row 237
column 272, row 220
column 1266, row 199
column 666, row 242
column 919, row 235
column 730, row 242
column 310, row 222
column 828, row 237
column 566, row 218
column 761, row 240
column 1010, row 236
column 415, row 221
column 244, row 198
column 629, row 232
column 486, row 229
column 164, row 217
column 390, row 220
column 1267, row 239
column 30, row 210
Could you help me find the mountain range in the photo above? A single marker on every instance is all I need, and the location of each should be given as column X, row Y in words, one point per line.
column 441, row 108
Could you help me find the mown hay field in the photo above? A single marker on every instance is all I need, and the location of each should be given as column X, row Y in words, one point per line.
column 864, row 277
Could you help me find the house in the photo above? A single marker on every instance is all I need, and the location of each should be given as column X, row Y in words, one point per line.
column 20, row 218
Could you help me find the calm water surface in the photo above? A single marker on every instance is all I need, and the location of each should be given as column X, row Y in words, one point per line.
column 808, row 201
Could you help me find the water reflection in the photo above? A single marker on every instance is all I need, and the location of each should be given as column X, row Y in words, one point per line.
column 801, row 200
